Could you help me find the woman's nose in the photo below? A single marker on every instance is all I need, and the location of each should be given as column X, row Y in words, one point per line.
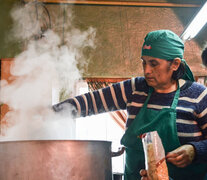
column 147, row 69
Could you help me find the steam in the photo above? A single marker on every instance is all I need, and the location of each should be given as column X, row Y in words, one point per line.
column 44, row 67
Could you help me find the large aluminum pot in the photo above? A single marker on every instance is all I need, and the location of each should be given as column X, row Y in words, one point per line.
column 55, row 160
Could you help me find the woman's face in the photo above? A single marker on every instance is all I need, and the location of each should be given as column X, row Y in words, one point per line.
column 157, row 72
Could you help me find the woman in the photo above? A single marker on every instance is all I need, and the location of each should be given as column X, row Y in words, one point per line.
column 166, row 100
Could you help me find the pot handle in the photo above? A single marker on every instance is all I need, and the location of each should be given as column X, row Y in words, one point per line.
column 119, row 152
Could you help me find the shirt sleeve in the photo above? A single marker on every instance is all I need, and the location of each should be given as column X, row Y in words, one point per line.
column 111, row 98
column 201, row 151
column 201, row 146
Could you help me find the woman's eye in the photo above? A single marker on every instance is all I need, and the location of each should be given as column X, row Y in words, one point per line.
column 153, row 63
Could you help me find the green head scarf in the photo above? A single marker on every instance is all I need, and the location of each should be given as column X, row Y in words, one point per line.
column 165, row 44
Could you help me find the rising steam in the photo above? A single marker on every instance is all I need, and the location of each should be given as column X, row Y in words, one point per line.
column 45, row 65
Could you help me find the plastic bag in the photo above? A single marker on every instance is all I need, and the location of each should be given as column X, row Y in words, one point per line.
column 155, row 162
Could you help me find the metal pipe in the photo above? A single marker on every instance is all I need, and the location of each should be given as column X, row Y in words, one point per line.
column 117, row 3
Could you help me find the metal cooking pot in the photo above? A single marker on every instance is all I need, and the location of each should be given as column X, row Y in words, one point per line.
column 55, row 160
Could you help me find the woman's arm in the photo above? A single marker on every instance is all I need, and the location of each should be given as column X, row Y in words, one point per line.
column 111, row 98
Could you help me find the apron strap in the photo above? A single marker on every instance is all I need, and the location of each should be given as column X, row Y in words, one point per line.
column 151, row 89
column 176, row 97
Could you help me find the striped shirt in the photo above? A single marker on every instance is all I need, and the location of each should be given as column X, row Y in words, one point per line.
column 131, row 94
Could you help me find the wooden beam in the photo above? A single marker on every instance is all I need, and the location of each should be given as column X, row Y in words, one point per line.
column 116, row 3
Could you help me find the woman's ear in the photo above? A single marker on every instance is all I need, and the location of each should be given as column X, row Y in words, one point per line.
column 175, row 64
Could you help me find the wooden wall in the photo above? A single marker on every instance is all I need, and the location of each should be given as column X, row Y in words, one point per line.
column 120, row 30
column 5, row 65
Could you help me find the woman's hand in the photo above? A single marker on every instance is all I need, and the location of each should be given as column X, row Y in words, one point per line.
column 143, row 173
column 182, row 156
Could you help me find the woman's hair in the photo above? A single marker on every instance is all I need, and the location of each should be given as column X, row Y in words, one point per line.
column 204, row 56
column 180, row 71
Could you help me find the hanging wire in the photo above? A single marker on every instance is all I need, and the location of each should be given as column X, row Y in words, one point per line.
column 40, row 14
column 64, row 18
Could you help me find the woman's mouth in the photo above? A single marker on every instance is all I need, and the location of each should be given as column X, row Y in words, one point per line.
column 149, row 78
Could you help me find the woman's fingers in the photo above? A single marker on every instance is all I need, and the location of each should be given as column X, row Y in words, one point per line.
column 181, row 156
column 143, row 173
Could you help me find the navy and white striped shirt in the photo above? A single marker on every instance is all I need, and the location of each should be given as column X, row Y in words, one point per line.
column 131, row 94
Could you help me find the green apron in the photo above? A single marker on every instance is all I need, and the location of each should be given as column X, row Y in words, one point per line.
column 164, row 122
